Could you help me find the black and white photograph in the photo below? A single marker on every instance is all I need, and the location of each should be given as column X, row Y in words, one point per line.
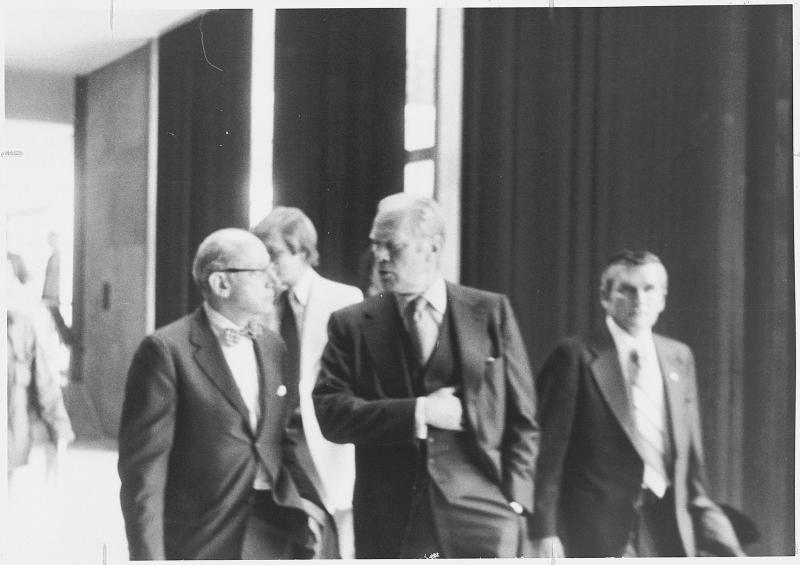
column 442, row 280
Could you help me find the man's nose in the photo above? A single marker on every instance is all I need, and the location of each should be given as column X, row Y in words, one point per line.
column 381, row 254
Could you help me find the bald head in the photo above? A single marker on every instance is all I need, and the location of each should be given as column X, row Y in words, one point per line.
column 224, row 249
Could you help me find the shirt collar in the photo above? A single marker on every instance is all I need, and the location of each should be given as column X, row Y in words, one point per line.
column 218, row 321
column 302, row 289
column 625, row 342
column 435, row 294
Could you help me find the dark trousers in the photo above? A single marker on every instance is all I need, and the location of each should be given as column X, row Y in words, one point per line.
column 474, row 525
column 421, row 540
column 655, row 532
column 271, row 530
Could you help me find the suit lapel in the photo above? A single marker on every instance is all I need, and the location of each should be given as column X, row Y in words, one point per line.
column 315, row 328
column 208, row 356
column 467, row 316
column 383, row 330
column 673, row 373
column 611, row 382
column 269, row 381
column 310, row 310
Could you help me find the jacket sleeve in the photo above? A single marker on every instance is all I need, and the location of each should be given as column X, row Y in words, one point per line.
column 298, row 462
column 345, row 416
column 521, row 437
column 145, row 442
column 714, row 534
column 556, row 385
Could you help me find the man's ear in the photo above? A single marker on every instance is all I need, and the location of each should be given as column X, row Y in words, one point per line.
column 605, row 297
column 220, row 284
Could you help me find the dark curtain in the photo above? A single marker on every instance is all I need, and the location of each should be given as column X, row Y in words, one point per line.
column 338, row 138
column 588, row 130
column 203, row 146
column 769, row 318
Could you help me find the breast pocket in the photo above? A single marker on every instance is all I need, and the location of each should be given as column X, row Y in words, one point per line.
column 494, row 379
column 490, row 401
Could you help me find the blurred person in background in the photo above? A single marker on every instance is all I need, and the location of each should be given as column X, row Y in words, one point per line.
column 302, row 312
column 51, row 290
column 34, row 394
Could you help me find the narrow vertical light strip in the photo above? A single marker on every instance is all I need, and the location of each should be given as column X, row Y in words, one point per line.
column 152, row 186
column 449, row 88
column 4, row 517
column 261, row 115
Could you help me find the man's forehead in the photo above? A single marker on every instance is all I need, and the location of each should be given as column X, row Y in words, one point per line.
column 390, row 226
column 251, row 252
column 649, row 273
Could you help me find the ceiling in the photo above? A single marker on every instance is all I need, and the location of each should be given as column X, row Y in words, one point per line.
column 75, row 41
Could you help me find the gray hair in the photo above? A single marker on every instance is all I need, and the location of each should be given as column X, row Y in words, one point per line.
column 627, row 258
column 424, row 215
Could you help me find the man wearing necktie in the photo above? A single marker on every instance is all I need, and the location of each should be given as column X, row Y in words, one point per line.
column 430, row 381
column 621, row 469
column 303, row 309
column 209, row 457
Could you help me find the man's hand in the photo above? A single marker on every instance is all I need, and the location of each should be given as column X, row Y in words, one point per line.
column 443, row 409
column 547, row 547
column 315, row 531
column 61, row 445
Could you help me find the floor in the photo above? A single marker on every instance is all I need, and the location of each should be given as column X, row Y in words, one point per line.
column 65, row 510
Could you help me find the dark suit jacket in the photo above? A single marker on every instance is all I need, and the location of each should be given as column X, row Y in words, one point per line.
column 589, row 473
column 187, row 454
column 364, row 396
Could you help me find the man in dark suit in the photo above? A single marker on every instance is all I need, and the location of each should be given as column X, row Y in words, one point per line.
column 208, row 458
column 621, row 469
column 430, row 381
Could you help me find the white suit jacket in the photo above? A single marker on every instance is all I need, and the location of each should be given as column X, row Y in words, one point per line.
column 335, row 462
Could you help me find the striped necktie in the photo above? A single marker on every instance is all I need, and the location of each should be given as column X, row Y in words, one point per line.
column 422, row 327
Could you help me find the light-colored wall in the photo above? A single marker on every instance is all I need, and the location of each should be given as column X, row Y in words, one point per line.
column 39, row 96
column 112, row 143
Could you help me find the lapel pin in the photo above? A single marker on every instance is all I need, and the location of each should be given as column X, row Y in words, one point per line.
column 673, row 376
column 281, row 390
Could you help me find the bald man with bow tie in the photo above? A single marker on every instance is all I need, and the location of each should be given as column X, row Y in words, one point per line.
column 209, row 457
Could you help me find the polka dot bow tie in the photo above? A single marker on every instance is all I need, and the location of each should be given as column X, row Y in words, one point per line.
column 232, row 336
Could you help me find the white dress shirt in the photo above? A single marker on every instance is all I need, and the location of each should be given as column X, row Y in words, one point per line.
column 436, row 296
column 241, row 359
column 650, row 369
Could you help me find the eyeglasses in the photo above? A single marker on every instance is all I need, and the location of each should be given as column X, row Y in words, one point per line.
column 264, row 270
